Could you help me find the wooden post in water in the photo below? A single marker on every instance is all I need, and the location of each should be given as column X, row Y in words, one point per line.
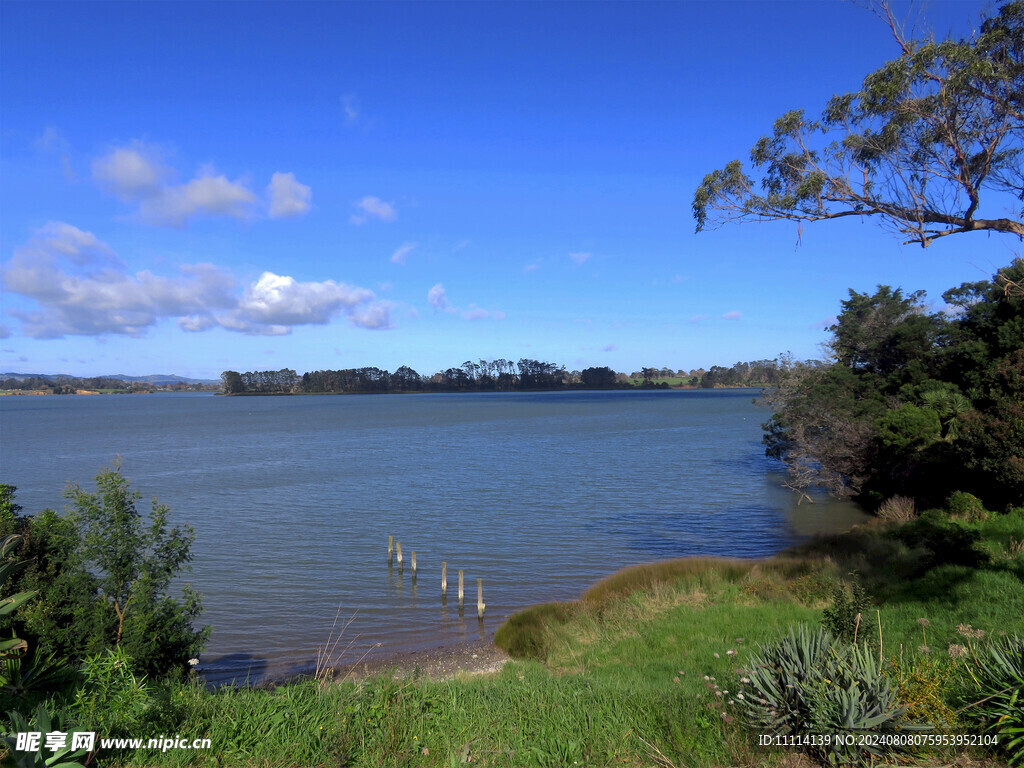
column 444, row 579
column 398, row 546
column 460, row 588
column 413, row 558
column 480, row 598
column 391, row 548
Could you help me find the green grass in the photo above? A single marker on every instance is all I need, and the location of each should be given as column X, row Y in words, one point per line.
column 618, row 678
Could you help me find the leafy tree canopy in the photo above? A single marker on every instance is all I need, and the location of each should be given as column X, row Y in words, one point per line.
column 915, row 148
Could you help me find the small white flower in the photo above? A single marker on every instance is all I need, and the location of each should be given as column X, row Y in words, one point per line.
column 717, row 656
column 730, row 652
column 744, row 679
column 193, row 662
column 739, row 695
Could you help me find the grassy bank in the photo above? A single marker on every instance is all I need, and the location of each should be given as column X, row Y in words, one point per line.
column 639, row 671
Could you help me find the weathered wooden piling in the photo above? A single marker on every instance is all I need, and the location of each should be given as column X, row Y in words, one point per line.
column 398, row 547
column 391, row 548
column 460, row 588
column 413, row 559
column 480, row 598
column 444, row 579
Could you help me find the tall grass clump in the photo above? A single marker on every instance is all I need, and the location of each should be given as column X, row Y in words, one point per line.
column 525, row 634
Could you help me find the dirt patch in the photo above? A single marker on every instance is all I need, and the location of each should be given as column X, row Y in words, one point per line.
column 476, row 658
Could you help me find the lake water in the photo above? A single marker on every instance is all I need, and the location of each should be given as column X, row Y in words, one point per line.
column 293, row 499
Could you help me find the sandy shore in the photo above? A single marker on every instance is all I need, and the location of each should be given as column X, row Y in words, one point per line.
column 475, row 658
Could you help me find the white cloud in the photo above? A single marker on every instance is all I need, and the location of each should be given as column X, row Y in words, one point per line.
column 51, row 140
column 373, row 207
column 437, row 298
column 81, row 288
column 477, row 313
column 375, row 316
column 350, row 105
column 131, row 173
column 697, row 318
column 530, row 268
column 5, row 332
column 733, row 315
column 287, row 196
column 608, row 348
column 580, row 258
column 282, row 300
column 399, row 256
column 205, row 195
column 137, row 174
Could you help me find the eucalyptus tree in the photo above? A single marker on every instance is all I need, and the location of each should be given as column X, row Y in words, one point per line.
column 927, row 136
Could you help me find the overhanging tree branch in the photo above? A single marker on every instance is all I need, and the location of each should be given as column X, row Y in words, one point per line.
column 918, row 147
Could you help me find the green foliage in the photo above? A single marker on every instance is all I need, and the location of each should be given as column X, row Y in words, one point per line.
column 103, row 578
column 111, row 700
column 8, row 509
column 847, row 618
column 924, row 686
column 966, row 506
column 944, row 541
column 908, row 429
column 63, row 621
column 13, row 648
column 810, row 684
column 917, row 148
column 1000, row 689
column 134, row 561
column 914, row 405
column 42, row 721
column 25, row 674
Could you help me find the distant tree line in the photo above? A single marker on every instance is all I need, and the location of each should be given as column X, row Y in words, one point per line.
column 498, row 375
column 68, row 385
column 758, row 373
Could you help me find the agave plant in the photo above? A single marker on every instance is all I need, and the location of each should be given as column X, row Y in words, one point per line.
column 808, row 684
column 42, row 721
column 1000, row 681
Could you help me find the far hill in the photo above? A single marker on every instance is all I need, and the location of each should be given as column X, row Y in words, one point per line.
column 156, row 379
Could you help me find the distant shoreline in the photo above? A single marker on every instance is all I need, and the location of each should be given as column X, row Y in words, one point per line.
column 40, row 393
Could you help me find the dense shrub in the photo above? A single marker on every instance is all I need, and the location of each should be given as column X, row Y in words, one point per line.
column 103, row 574
column 847, row 618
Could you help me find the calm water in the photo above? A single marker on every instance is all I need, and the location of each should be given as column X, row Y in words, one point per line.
column 293, row 500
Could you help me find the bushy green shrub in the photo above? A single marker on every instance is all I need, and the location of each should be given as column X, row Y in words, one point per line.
column 966, row 506
column 112, row 700
column 808, row 684
column 847, row 618
column 105, row 575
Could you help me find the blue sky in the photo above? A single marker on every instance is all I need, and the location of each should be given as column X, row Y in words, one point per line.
column 193, row 187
